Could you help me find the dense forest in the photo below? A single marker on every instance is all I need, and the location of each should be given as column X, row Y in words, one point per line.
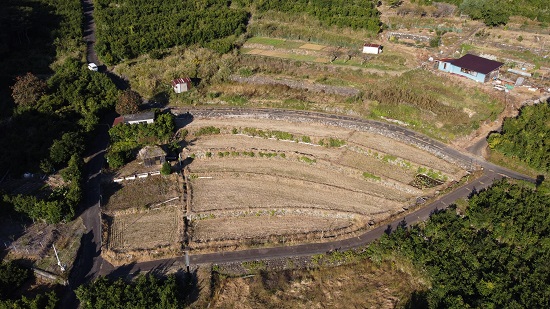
column 497, row 12
column 494, row 255
column 144, row 292
column 137, row 27
column 526, row 137
column 134, row 27
column 55, row 106
column 355, row 14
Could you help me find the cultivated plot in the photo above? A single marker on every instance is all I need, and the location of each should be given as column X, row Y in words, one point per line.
column 260, row 181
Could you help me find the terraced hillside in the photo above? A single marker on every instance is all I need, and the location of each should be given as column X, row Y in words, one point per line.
column 257, row 182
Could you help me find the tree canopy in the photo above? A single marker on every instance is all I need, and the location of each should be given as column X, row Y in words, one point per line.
column 27, row 89
column 137, row 27
column 526, row 137
column 497, row 12
column 495, row 255
column 128, row 102
column 144, row 292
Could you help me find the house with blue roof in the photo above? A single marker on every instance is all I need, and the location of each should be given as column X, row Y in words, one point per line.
column 471, row 66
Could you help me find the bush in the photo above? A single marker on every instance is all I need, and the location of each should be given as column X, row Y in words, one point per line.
column 166, row 169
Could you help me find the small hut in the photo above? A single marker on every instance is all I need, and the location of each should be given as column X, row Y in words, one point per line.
column 181, row 84
column 152, row 155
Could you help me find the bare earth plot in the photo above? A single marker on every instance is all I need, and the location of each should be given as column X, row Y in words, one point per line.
column 145, row 230
column 249, row 190
column 142, row 219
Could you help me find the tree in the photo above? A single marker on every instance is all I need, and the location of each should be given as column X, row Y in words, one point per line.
column 27, row 90
column 128, row 102
column 71, row 143
column 166, row 169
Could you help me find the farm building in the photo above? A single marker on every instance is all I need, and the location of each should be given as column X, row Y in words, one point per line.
column 148, row 117
column 181, row 84
column 152, row 155
column 474, row 67
column 372, row 49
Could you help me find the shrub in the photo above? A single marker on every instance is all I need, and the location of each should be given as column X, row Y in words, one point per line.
column 166, row 169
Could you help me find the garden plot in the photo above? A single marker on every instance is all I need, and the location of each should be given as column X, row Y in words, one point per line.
column 252, row 192
column 252, row 228
column 143, row 230
column 297, row 128
column 294, row 169
column 377, row 166
column 255, row 181
column 142, row 193
column 246, row 143
column 407, row 152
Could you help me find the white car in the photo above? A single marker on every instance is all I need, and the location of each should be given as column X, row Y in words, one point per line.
column 92, row 66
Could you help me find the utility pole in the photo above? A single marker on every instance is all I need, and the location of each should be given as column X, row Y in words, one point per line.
column 58, row 261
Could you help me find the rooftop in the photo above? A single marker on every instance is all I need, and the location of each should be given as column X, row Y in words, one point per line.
column 139, row 117
column 185, row 80
column 476, row 63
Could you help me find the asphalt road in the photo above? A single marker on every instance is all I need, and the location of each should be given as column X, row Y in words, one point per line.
column 491, row 173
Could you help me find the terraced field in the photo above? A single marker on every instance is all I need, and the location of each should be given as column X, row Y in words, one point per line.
column 260, row 181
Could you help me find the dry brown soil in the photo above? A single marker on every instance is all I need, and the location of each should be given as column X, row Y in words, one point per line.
column 239, row 199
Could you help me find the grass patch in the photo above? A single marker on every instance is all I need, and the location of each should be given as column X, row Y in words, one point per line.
column 307, row 160
column 210, row 130
column 368, row 175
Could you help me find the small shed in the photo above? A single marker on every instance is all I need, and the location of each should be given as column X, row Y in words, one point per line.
column 148, row 117
column 471, row 66
column 152, row 155
column 181, row 84
column 372, row 48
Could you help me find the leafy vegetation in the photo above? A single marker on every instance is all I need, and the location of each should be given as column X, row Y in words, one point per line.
column 136, row 27
column 13, row 278
column 355, row 14
column 526, row 137
column 166, row 169
column 127, row 138
column 51, row 118
column 492, row 256
column 144, row 292
column 128, row 102
column 495, row 12
column 368, row 175
column 210, row 130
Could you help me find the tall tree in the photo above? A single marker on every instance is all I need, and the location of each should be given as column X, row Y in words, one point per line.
column 28, row 89
column 128, row 102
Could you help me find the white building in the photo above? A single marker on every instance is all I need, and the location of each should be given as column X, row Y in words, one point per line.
column 372, row 49
column 181, row 84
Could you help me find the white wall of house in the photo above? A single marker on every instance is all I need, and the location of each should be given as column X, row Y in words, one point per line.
column 141, row 121
column 179, row 88
column 371, row 50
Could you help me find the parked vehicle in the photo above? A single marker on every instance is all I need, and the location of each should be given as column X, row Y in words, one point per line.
column 92, row 66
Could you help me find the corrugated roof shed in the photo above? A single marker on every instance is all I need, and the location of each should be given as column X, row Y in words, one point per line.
column 176, row 81
column 477, row 64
